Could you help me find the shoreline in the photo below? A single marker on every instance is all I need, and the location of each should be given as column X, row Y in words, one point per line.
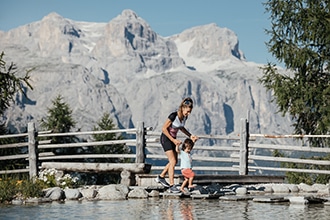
column 266, row 193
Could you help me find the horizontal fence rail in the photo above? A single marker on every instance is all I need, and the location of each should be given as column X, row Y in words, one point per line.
column 240, row 154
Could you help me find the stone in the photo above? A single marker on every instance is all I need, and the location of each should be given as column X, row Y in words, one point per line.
column 241, row 191
column 138, row 193
column 38, row 200
column 298, row 200
column 17, row 202
column 293, row 188
column 280, row 188
column 113, row 192
column 55, row 193
column 270, row 199
column 154, row 193
column 72, row 194
column 89, row 193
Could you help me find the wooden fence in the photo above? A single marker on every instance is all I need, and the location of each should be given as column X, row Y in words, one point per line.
column 237, row 155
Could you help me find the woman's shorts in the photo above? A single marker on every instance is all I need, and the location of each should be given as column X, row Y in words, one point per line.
column 187, row 173
column 167, row 144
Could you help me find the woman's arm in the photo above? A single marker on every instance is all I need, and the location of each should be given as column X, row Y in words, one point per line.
column 193, row 137
column 177, row 149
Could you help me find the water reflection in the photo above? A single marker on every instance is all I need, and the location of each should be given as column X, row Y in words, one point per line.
column 168, row 209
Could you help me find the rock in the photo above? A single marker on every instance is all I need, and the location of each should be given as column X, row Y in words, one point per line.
column 55, row 193
column 293, row 188
column 89, row 193
column 113, row 192
column 241, row 191
column 199, row 190
column 213, row 188
column 38, row 200
column 280, row 188
column 17, row 202
column 154, row 193
column 322, row 189
column 303, row 187
column 268, row 189
column 72, row 194
column 138, row 193
column 270, row 199
column 298, row 200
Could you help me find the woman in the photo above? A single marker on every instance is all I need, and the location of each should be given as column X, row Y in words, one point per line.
column 175, row 122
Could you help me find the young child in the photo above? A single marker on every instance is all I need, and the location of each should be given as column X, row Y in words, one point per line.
column 186, row 164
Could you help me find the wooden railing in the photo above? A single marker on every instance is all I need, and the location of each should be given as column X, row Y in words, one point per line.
column 232, row 154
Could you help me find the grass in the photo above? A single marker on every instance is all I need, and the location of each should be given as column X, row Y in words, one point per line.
column 13, row 187
column 22, row 187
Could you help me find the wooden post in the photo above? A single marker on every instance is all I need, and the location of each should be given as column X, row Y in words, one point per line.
column 244, row 151
column 140, row 143
column 32, row 151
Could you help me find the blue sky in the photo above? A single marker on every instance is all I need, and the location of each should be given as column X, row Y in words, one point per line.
column 247, row 18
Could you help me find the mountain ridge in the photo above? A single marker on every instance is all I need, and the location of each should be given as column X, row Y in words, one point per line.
column 126, row 69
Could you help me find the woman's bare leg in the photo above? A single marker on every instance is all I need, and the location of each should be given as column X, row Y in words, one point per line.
column 172, row 160
column 165, row 170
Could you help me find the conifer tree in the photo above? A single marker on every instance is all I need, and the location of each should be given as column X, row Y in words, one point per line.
column 10, row 85
column 60, row 120
column 106, row 123
column 300, row 39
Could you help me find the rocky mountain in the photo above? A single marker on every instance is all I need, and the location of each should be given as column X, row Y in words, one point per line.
column 125, row 68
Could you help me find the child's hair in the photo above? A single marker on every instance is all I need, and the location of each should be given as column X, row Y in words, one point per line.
column 187, row 143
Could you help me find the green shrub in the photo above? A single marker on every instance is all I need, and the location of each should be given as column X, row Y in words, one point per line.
column 8, row 189
column 308, row 178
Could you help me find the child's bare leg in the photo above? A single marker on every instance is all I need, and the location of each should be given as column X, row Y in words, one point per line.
column 184, row 184
column 190, row 185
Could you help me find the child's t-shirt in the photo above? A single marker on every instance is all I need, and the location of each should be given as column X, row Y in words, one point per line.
column 186, row 160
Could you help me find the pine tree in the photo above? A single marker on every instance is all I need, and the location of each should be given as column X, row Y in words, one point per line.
column 10, row 85
column 106, row 123
column 300, row 39
column 60, row 120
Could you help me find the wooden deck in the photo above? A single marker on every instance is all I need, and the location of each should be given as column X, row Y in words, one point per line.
column 148, row 179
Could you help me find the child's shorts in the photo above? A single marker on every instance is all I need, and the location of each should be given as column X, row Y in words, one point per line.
column 188, row 173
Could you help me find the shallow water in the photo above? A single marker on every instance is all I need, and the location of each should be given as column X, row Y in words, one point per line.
column 159, row 208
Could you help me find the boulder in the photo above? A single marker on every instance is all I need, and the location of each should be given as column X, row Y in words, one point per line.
column 72, row 194
column 55, row 193
column 113, row 192
column 138, row 193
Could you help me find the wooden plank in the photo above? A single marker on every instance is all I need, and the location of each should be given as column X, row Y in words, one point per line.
column 199, row 158
column 201, row 136
column 84, row 144
column 98, row 167
column 292, row 160
column 290, row 148
column 203, row 179
column 14, row 171
column 84, row 156
column 14, row 135
column 291, row 170
column 15, row 145
column 86, row 132
column 242, row 179
column 202, row 168
column 12, row 157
